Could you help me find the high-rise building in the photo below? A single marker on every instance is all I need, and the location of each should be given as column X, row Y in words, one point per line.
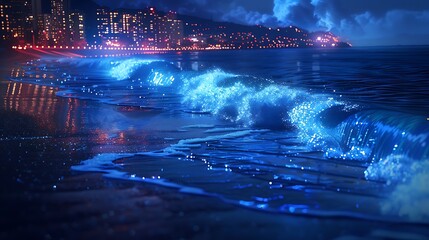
column 148, row 27
column 5, row 10
column 119, row 27
column 115, row 19
column 103, row 26
column 169, row 31
column 174, row 30
column 16, row 21
column 44, row 30
column 130, row 26
column 76, row 29
column 60, row 21
column 24, row 22
column 144, row 28
column 111, row 24
column 161, row 33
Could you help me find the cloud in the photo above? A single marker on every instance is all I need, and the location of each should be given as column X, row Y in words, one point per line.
column 392, row 28
column 244, row 16
column 364, row 22
column 296, row 12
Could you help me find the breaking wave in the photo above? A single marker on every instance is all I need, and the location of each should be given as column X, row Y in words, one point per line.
column 393, row 145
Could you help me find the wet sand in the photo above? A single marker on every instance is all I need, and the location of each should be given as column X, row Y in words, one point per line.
column 42, row 136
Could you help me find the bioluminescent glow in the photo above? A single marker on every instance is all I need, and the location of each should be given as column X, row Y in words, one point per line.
column 159, row 79
column 272, row 141
column 123, row 69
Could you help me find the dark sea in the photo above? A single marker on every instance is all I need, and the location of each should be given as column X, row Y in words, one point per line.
column 323, row 133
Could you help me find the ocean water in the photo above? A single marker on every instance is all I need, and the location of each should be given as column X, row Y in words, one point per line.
column 318, row 132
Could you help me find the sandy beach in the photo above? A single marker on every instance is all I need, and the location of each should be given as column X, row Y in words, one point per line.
column 42, row 137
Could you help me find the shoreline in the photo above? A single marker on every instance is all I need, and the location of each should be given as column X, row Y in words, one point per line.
column 108, row 52
column 66, row 204
column 35, row 53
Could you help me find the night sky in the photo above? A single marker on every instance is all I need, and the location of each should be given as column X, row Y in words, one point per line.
column 362, row 22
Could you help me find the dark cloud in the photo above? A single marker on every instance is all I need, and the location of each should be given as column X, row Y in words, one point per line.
column 241, row 15
column 382, row 22
column 296, row 12
column 363, row 22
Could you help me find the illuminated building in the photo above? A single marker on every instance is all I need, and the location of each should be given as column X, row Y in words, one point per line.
column 128, row 23
column 174, row 30
column 77, row 31
column 130, row 27
column 17, row 21
column 142, row 29
column 60, row 20
column 147, row 28
column 103, row 25
column 169, row 31
column 109, row 25
column 44, row 30
column 24, row 23
column 5, row 21
column 115, row 22
column 161, row 34
column 325, row 39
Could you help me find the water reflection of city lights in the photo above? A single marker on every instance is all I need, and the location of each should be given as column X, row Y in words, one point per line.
column 40, row 102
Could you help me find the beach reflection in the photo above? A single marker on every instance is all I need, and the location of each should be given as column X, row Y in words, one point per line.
column 110, row 128
column 41, row 103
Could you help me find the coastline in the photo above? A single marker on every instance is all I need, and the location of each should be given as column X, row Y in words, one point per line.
column 44, row 199
column 129, row 51
column 35, row 53
column 66, row 204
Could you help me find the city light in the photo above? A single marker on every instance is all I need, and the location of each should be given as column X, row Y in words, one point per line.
column 143, row 30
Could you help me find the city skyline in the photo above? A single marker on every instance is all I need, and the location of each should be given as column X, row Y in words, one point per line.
column 362, row 22
column 24, row 22
column 403, row 28
column 28, row 24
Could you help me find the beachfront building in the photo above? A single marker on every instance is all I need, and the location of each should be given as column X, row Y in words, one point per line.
column 145, row 28
column 44, row 30
column 77, row 30
column 23, row 22
column 4, row 21
column 16, row 21
column 59, row 22
column 103, row 25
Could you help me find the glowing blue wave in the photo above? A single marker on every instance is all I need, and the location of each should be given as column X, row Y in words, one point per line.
column 123, row 69
column 395, row 146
